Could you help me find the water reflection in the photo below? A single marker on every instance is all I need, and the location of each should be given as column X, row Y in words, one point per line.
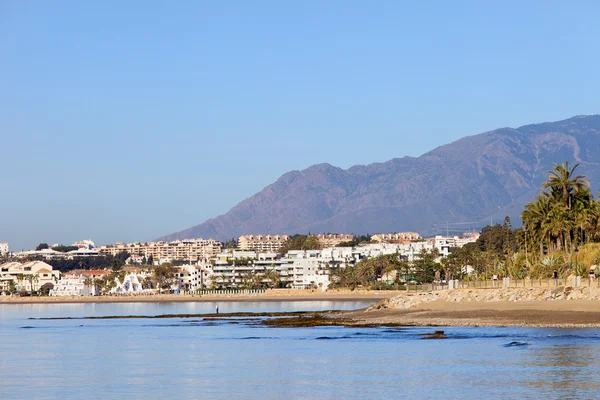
column 567, row 369
column 23, row 311
column 175, row 358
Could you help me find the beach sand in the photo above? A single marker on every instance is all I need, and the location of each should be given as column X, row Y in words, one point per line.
column 269, row 295
column 552, row 313
column 538, row 313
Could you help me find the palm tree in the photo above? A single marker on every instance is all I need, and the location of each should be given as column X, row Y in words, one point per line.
column 563, row 182
column 20, row 278
column 271, row 276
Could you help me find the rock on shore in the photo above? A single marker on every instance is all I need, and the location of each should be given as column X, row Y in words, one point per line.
column 412, row 300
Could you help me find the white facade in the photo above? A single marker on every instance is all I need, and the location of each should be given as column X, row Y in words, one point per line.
column 192, row 277
column 130, row 284
column 28, row 276
column 73, row 285
column 3, row 248
column 230, row 269
column 308, row 269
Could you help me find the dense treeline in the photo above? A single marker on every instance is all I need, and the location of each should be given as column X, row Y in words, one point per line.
column 311, row 242
column 300, row 242
column 560, row 233
column 99, row 262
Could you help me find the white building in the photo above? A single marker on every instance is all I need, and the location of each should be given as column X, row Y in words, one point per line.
column 28, row 276
column 73, row 285
column 230, row 269
column 3, row 248
column 307, row 270
column 132, row 283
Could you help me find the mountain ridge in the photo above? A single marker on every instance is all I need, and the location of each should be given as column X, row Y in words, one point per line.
column 472, row 179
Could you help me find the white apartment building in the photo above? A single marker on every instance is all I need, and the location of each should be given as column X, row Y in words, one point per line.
column 231, row 268
column 191, row 277
column 308, row 272
column 262, row 243
column 73, row 285
column 28, row 276
column 3, row 248
column 187, row 250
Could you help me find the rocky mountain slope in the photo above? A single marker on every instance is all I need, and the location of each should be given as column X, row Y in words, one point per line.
column 471, row 181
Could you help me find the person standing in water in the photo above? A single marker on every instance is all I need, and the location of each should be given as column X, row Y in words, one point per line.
column 217, row 309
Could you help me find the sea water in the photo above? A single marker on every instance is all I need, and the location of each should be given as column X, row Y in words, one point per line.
column 185, row 358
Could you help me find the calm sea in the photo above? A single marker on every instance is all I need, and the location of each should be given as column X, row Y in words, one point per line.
column 179, row 359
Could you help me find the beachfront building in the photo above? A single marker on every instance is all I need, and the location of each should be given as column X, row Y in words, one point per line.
column 73, row 282
column 241, row 268
column 333, row 239
column 185, row 250
column 398, row 237
column 193, row 277
column 3, row 248
column 74, row 285
column 262, row 243
column 308, row 269
column 29, row 276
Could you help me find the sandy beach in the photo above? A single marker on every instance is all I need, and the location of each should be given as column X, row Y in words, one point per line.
column 269, row 295
column 561, row 313
column 565, row 313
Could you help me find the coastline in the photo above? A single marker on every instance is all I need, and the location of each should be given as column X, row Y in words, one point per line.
column 562, row 313
column 274, row 295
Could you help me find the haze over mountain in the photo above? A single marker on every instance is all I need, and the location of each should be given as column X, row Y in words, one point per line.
column 465, row 184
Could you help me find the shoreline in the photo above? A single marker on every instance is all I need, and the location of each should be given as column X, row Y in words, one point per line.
column 532, row 314
column 269, row 296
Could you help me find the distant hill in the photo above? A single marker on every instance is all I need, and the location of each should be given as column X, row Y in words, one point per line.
column 476, row 178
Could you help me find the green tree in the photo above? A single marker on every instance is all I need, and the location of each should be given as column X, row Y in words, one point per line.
column 164, row 276
column 116, row 265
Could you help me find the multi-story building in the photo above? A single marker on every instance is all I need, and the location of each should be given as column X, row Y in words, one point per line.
column 187, row 250
column 73, row 285
column 192, row 277
column 333, row 239
column 3, row 248
column 232, row 269
column 28, row 276
column 308, row 269
column 262, row 243
column 398, row 237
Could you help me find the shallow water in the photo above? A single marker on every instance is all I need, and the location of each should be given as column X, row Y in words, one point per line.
column 188, row 358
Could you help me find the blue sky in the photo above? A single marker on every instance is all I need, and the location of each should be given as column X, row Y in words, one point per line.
column 124, row 121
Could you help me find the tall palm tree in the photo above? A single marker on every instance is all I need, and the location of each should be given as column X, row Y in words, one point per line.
column 563, row 182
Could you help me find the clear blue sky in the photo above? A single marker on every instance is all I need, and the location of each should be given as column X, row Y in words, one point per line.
column 127, row 120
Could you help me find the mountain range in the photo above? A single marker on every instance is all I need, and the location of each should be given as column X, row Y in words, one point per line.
column 458, row 186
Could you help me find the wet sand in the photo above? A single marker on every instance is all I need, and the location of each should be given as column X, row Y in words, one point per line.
column 556, row 313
